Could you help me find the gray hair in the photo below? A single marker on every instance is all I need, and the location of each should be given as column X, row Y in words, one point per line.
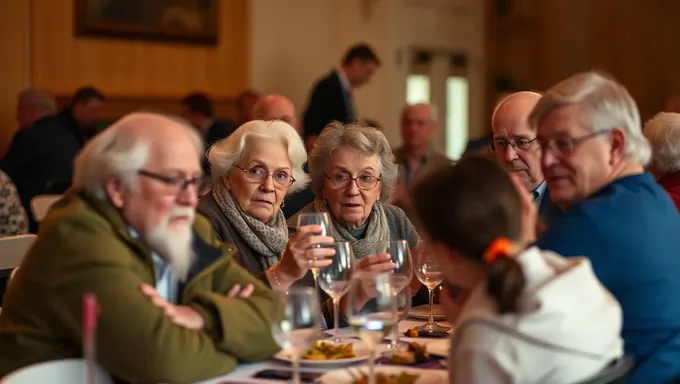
column 431, row 107
column 226, row 152
column 118, row 152
column 663, row 133
column 605, row 105
column 40, row 99
column 367, row 140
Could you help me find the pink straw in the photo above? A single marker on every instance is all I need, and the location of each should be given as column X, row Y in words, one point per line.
column 90, row 312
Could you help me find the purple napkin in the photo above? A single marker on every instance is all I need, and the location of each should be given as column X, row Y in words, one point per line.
column 433, row 363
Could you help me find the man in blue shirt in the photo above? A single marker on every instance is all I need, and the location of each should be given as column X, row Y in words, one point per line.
column 514, row 144
column 593, row 158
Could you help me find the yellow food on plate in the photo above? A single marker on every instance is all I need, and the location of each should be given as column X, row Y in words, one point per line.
column 382, row 378
column 329, row 351
column 416, row 353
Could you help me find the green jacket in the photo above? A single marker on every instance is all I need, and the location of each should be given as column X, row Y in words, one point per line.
column 84, row 246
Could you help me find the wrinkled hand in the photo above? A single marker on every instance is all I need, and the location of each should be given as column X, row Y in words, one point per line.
column 530, row 221
column 302, row 254
column 181, row 315
column 377, row 264
column 236, row 291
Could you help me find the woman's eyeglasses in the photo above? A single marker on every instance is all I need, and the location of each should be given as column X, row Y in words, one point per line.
column 258, row 174
column 343, row 180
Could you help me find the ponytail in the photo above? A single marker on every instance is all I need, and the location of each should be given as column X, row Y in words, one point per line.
column 505, row 281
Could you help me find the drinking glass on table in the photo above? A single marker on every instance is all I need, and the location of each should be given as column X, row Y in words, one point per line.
column 430, row 274
column 403, row 307
column 295, row 322
column 371, row 311
column 322, row 219
column 335, row 278
column 401, row 275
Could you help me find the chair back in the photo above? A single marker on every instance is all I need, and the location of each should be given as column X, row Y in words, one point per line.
column 67, row 371
column 13, row 249
column 614, row 373
column 41, row 204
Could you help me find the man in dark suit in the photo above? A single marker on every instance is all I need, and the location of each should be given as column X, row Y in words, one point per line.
column 40, row 157
column 198, row 110
column 514, row 144
column 331, row 97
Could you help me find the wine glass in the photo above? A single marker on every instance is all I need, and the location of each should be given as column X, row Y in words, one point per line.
column 430, row 274
column 400, row 255
column 295, row 322
column 335, row 278
column 403, row 307
column 371, row 310
column 322, row 219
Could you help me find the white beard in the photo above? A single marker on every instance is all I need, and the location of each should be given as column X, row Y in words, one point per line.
column 174, row 245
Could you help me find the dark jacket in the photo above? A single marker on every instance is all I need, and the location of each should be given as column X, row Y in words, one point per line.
column 548, row 211
column 40, row 157
column 217, row 131
column 671, row 183
column 326, row 104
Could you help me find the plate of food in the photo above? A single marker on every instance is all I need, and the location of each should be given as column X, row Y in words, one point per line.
column 327, row 353
column 384, row 375
column 422, row 312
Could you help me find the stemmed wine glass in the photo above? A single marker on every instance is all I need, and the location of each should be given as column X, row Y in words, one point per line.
column 295, row 322
column 401, row 275
column 335, row 278
column 371, row 311
column 430, row 274
column 404, row 300
column 322, row 219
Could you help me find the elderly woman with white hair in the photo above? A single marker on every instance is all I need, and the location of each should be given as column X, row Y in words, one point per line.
column 253, row 170
column 663, row 133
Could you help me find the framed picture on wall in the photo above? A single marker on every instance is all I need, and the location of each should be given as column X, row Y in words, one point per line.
column 192, row 21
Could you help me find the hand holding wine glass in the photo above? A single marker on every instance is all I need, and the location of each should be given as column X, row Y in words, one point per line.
column 400, row 255
column 430, row 274
column 334, row 279
column 295, row 322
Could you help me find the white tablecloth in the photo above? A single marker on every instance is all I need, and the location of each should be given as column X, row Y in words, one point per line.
column 244, row 372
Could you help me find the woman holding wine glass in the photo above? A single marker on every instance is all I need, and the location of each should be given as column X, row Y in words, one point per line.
column 352, row 168
column 253, row 170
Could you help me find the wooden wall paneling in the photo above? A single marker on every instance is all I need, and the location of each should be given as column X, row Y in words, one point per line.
column 63, row 62
column 13, row 68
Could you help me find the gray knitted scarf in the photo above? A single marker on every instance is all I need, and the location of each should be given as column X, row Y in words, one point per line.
column 267, row 239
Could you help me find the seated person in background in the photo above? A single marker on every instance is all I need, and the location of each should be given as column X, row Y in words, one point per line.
column 593, row 158
column 13, row 218
column 663, row 133
column 532, row 316
column 126, row 230
column 516, row 149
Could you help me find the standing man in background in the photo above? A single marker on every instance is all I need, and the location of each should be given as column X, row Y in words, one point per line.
column 331, row 97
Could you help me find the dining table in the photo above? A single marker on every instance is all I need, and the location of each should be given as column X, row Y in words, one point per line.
column 244, row 372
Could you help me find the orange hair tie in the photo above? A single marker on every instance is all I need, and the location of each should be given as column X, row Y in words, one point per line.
column 501, row 247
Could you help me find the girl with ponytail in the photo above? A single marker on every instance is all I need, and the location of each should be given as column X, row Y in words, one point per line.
column 531, row 316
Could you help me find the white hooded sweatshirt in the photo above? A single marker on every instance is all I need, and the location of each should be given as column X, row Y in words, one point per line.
column 567, row 329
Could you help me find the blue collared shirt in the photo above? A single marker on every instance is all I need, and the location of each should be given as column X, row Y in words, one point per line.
column 166, row 278
column 539, row 192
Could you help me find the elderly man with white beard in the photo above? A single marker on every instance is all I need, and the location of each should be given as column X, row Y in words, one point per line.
column 175, row 306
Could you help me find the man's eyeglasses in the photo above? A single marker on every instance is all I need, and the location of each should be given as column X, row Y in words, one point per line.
column 178, row 183
column 519, row 144
column 566, row 145
column 258, row 174
column 342, row 180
